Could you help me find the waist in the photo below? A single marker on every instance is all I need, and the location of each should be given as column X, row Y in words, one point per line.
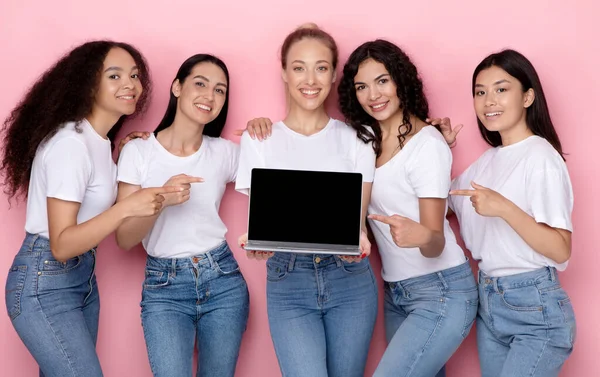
column 544, row 277
column 203, row 259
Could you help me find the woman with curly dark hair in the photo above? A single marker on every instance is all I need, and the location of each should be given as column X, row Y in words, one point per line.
column 58, row 145
column 430, row 292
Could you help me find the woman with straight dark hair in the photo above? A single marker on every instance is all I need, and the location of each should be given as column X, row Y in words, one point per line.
column 194, row 291
column 514, row 207
column 58, row 153
column 430, row 293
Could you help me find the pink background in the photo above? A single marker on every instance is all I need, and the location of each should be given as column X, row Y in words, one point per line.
column 446, row 41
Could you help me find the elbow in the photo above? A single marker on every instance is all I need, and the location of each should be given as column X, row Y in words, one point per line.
column 59, row 254
column 123, row 242
column 563, row 256
column 435, row 247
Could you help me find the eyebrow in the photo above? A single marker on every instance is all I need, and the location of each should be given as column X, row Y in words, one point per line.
column 376, row 79
column 207, row 80
column 318, row 61
column 119, row 69
column 496, row 83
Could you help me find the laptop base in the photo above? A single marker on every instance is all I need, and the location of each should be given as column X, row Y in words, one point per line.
column 303, row 248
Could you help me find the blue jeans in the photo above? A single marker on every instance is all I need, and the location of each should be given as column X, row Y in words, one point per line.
column 54, row 308
column 525, row 325
column 322, row 312
column 203, row 299
column 426, row 319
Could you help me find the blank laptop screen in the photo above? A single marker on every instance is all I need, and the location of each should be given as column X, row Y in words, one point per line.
column 305, row 206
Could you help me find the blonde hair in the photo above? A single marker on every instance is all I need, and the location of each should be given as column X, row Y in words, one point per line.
column 312, row 31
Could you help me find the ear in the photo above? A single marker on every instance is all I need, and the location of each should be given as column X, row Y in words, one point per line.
column 176, row 88
column 284, row 75
column 334, row 77
column 529, row 98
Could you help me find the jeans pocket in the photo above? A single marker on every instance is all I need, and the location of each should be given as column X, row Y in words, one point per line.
column 156, row 279
column 355, row 268
column 569, row 316
column 51, row 266
column 227, row 265
column 15, row 282
column 470, row 315
column 276, row 271
column 523, row 299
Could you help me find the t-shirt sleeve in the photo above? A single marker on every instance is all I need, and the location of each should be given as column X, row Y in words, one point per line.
column 550, row 195
column 250, row 158
column 429, row 169
column 129, row 168
column 234, row 158
column 68, row 170
column 365, row 160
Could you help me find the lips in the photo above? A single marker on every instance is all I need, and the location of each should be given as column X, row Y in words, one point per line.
column 203, row 107
column 310, row 93
column 493, row 114
column 379, row 106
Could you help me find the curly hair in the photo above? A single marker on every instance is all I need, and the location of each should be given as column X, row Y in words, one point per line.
column 409, row 91
column 65, row 92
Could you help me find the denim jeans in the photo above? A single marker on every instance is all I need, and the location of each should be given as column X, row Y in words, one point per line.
column 322, row 312
column 54, row 307
column 426, row 319
column 201, row 300
column 525, row 325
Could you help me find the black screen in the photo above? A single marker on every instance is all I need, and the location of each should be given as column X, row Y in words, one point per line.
column 305, row 206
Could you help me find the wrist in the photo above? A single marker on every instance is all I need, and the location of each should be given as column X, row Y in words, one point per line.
column 121, row 211
column 426, row 236
column 508, row 209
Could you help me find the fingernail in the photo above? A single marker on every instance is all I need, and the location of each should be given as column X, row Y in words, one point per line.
column 242, row 245
column 363, row 256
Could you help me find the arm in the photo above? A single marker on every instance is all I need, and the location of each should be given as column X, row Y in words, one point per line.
column 431, row 212
column 69, row 239
column 133, row 230
column 554, row 243
column 366, row 199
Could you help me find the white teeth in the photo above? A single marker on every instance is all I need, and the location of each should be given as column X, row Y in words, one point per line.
column 310, row 92
column 493, row 114
column 203, row 107
column 126, row 97
column 378, row 106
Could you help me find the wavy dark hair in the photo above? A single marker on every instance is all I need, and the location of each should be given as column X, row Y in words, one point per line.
column 213, row 128
column 65, row 92
column 537, row 115
column 409, row 90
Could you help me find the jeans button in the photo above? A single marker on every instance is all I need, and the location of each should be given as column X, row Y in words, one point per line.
column 488, row 281
column 317, row 260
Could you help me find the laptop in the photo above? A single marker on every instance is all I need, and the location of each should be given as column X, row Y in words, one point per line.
column 301, row 211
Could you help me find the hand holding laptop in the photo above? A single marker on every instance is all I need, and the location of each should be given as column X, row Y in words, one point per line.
column 365, row 249
column 254, row 254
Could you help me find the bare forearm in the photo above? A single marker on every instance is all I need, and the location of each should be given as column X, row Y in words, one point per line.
column 434, row 244
column 540, row 237
column 78, row 239
column 133, row 230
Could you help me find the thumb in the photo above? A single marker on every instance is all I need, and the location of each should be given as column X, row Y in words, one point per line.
column 457, row 129
column 239, row 132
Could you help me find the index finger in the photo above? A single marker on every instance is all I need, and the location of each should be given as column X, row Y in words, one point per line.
column 189, row 179
column 165, row 190
column 384, row 219
column 462, row 192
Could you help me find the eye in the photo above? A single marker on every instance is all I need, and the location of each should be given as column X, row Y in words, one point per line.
column 501, row 90
column 359, row 87
column 323, row 69
column 383, row 81
column 479, row 93
column 135, row 76
column 200, row 83
column 114, row 77
column 220, row 91
column 298, row 69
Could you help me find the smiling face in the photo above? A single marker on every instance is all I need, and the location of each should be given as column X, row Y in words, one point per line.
column 309, row 73
column 202, row 94
column 376, row 91
column 499, row 100
column 120, row 87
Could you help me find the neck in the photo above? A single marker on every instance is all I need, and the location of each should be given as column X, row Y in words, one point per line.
column 391, row 126
column 306, row 122
column 102, row 121
column 515, row 134
column 183, row 137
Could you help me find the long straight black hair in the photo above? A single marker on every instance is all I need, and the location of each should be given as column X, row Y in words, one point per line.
column 213, row 128
column 537, row 115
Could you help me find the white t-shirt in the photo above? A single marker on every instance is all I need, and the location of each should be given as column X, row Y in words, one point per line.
column 74, row 165
column 531, row 174
column 194, row 227
column 335, row 148
column 420, row 170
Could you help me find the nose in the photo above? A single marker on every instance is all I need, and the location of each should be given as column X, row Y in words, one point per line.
column 311, row 78
column 128, row 82
column 374, row 93
column 490, row 99
column 209, row 94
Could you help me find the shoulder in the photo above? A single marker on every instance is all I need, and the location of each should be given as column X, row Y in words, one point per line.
column 541, row 155
column 221, row 144
column 69, row 139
